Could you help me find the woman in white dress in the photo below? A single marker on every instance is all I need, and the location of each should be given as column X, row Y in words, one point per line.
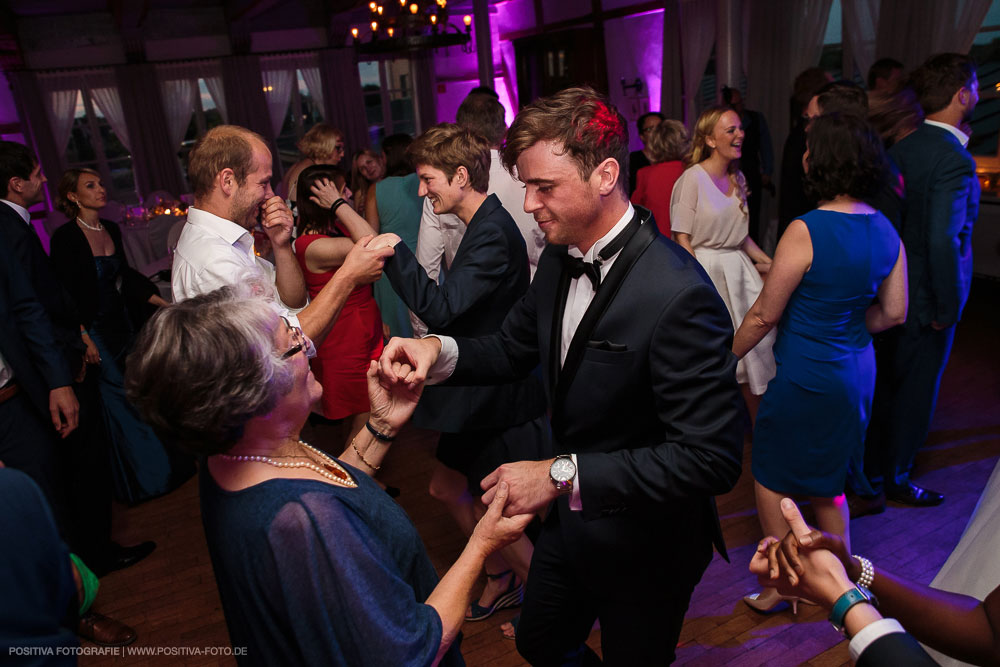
column 708, row 217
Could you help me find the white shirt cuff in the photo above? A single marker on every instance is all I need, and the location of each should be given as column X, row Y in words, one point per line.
column 871, row 632
column 575, row 503
column 446, row 361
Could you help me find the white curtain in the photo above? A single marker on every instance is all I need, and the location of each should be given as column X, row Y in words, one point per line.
column 215, row 89
column 178, row 105
column 911, row 31
column 62, row 113
column 314, row 82
column 860, row 29
column 806, row 36
column 110, row 104
column 278, row 92
column 697, row 22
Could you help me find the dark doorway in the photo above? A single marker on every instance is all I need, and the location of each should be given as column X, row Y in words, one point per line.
column 549, row 62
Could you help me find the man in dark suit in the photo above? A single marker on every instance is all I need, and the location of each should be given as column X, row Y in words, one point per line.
column 83, row 462
column 481, row 426
column 634, row 345
column 941, row 204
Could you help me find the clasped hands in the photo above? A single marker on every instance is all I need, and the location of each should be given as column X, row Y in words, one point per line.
column 807, row 563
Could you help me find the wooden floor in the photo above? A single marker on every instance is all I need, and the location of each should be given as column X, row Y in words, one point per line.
column 171, row 599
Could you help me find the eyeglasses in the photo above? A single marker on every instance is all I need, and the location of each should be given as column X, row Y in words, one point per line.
column 298, row 340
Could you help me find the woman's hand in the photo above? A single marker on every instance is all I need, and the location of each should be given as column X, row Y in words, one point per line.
column 495, row 531
column 324, row 193
column 762, row 268
column 391, row 404
column 91, row 355
column 803, row 564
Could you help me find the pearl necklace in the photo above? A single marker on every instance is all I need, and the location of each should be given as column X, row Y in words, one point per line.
column 98, row 228
column 330, row 469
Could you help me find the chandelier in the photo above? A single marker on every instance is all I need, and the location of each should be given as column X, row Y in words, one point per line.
column 408, row 25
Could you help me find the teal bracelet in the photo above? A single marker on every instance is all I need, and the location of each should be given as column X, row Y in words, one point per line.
column 844, row 603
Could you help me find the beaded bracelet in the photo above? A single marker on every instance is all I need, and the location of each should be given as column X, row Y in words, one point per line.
column 362, row 457
column 867, row 572
column 378, row 436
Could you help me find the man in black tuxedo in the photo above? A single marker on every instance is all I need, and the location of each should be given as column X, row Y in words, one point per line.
column 634, row 345
column 941, row 204
column 83, row 461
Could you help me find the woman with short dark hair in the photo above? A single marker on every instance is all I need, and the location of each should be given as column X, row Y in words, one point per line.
column 828, row 268
column 315, row 563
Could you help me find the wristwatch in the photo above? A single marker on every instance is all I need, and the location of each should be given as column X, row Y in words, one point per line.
column 561, row 472
column 854, row 596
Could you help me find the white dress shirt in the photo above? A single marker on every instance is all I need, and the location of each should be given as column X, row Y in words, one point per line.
column 213, row 252
column 871, row 632
column 581, row 293
column 6, row 372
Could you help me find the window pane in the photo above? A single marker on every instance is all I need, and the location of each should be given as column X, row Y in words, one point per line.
column 80, row 149
column 986, row 119
column 369, row 74
column 113, row 147
column 206, row 97
column 122, row 179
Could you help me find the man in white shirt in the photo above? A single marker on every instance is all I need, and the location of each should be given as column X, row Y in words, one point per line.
column 230, row 171
column 634, row 346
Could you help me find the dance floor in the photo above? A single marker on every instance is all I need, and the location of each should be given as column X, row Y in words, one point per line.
column 171, row 599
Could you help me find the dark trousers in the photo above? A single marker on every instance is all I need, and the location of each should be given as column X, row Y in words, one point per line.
column 28, row 443
column 910, row 360
column 639, row 595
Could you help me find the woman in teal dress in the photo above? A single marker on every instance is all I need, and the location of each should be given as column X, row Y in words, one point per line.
column 839, row 275
column 395, row 207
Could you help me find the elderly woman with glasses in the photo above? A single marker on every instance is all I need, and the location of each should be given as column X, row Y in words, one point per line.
column 315, row 563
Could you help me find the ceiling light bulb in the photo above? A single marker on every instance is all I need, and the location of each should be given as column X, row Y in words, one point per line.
column 372, row 5
column 380, row 9
column 354, row 33
column 467, row 20
column 414, row 8
column 391, row 31
column 374, row 26
column 434, row 19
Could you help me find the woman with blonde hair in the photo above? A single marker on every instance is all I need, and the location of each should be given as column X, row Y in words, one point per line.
column 668, row 143
column 709, row 216
column 321, row 144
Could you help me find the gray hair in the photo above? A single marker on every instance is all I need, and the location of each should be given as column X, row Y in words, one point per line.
column 202, row 368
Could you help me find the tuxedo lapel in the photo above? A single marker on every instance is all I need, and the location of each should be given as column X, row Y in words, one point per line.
column 602, row 299
column 555, row 342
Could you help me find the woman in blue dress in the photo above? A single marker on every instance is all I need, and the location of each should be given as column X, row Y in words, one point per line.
column 315, row 563
column 839, row 275
column 114, row 301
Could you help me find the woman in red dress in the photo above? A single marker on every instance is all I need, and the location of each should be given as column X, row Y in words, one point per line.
column 341, row 362
column 668, row 144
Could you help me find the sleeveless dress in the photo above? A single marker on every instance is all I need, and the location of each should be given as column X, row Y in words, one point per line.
column 718, row 228
column 341, row 362
column 816, row 410
column 399, row 211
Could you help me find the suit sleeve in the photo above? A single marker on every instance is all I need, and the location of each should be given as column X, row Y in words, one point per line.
column 947, row 210
column 697, row 399
column 482, row 267
column 898, row 649
column 32, row 323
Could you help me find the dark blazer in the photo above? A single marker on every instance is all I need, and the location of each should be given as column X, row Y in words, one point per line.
column 647, row 397
column 898, row 649
column 27, row 248
column 940, row 207
column 26, row 340
column 487, row 277
column 73, row 263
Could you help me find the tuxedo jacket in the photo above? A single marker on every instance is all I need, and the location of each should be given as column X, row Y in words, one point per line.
column 647, row 397
column 488, row 276
column 897, row 649
column 73, row 263
column 939, row 209
column 27, row 249
column 26, row 340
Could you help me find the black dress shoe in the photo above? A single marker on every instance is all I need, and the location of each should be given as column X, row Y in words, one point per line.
column 864, row 505
column 120, row 557
column 104, row 631
column 914, row 495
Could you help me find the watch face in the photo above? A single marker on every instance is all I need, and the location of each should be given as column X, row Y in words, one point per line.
column 562, row 469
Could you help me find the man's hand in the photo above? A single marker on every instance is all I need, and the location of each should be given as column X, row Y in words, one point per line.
column 499, row 527
column 415, row 355
column 363, row 265
column 277, row 221
column 324, row 193
column 65, row 410
column 937, row 326
column 531, row 489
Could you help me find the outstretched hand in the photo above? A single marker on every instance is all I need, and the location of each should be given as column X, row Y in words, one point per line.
column 531, row 488
column 391, row 404
column 363, row 265
column 415, row 355
column 499, row 527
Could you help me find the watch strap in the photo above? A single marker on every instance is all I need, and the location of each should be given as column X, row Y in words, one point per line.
column 844, row 603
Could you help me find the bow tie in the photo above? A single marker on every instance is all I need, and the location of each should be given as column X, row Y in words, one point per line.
column 576, row 267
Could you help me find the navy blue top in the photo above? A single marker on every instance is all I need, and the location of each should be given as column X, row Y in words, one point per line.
column 311, row 573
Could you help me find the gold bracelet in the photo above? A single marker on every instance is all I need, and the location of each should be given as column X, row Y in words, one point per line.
column 362, row 457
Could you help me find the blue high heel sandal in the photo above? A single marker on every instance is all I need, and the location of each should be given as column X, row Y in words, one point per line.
column 511, row 597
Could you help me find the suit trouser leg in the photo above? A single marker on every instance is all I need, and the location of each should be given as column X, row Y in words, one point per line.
column 918, row 362
column 879, row 426
column 28, row 444
column 85, row 470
